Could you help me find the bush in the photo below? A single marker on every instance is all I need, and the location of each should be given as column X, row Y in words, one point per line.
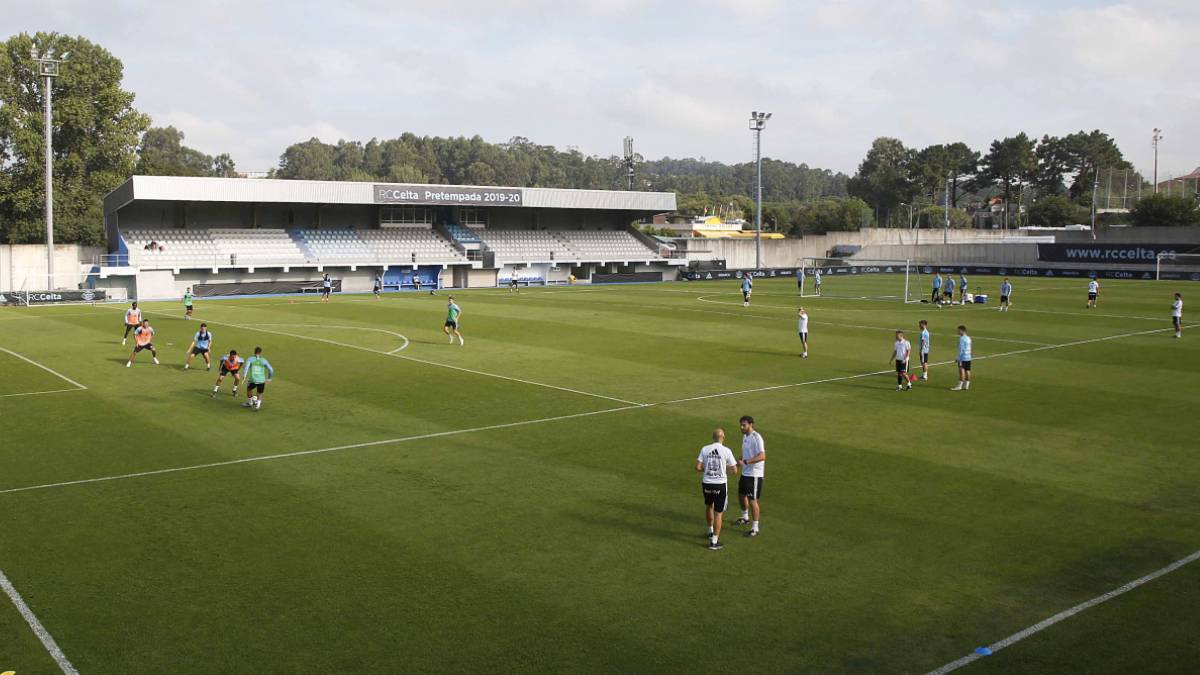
column 1164, row 211
column 1055, row 211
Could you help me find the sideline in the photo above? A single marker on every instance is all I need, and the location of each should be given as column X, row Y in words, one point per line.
column 1061, row 616
column 47, row 640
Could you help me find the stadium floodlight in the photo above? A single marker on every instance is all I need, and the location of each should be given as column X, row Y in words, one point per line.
column 758, row 121
column 47, row 67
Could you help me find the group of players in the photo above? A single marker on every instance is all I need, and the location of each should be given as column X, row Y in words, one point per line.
column 715, row 463
column 257, row 371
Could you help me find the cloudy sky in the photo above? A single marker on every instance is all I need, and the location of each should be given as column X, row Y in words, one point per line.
column 252, row 77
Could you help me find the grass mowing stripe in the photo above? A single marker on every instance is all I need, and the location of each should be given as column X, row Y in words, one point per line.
column 42, row 634
column 1065, row 614
column 507, row 425
column 45, row 368
column 318, row 451
column 413, row 359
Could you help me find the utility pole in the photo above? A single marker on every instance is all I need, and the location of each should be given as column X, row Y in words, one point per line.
column 946, row 201
column 48, row 69
column 1154, row 139
column 1095, row 189
column 758, row 121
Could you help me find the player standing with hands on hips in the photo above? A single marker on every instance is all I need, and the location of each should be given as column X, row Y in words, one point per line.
column 1093, row 294
column 803, row 317
column 1005, row 294
column 714, row 464
column 753, row 464
column 1177, row 315
column 964, row 360
column 901, row 351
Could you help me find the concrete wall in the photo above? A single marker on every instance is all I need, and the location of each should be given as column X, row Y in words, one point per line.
column 165, row 285
column 23, row 266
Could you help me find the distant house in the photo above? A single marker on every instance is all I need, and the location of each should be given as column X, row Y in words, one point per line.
column 1186, row 186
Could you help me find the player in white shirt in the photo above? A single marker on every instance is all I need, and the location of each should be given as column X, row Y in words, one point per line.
column 753, row 464
column 1177, row 315
column 901, row 350
column 803, row 316
column 964, row 360
column 714, row 464
column 923, row 348
column 1093, row 294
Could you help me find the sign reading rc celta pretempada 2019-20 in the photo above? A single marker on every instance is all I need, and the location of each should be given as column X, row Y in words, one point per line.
column 447, row 194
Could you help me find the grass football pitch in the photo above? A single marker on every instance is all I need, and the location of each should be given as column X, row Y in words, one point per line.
column 528, row 502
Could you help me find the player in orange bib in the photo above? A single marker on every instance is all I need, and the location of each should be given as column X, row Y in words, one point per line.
column 230, row 365
column 143, row 337
column 133, row 319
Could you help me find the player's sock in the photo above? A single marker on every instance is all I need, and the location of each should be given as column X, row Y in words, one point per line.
column 712, row 539
column 710, row 530
column 216, row 389
column 745, row 514
column 967, row 384
column 128, row 364
column 754, row 527
column 460, row 341
column 258, row 404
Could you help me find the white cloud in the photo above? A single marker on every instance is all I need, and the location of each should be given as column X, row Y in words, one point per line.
column 680, row 77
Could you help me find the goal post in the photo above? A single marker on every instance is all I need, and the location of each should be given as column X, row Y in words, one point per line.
column 861, row 278
column 1177, row 266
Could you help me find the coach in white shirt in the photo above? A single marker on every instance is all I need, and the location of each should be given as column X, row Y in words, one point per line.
column 713, row 464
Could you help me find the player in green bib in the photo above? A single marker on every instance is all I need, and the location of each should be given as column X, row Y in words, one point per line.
column 453, row 311
column 187, row 303
column 258, row 375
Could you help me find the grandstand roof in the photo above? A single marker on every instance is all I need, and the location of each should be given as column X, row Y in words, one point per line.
column 261, row 190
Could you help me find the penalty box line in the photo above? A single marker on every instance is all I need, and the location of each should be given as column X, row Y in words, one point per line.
column 1062, row 616
column 45, row 368
column 509, row 425
column 39, row 630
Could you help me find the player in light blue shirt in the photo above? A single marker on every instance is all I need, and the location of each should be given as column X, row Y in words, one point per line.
column 747, row 287
column 923, row 348
column 964, row 360
column 201, row 343
column 948, row 295
column 800, row 280
column 1005, row 294
column 962, row 289
column 817, row 281
column 937, row 288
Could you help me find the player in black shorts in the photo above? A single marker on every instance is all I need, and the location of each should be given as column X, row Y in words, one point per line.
column 378, row 287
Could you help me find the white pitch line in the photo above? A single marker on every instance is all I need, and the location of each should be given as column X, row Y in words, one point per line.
column 47, row 640
column 45, row 368
column 416, row 360
column 1065, row 614
column 322, row 325
column 36, row 393
column 318, row 451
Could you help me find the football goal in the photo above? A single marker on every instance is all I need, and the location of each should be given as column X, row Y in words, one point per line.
column 1176, row 266
column 858, row 278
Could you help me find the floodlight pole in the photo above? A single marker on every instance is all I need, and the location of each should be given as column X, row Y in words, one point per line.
column 48, row 68
column 758, row 121
column 1095, row 189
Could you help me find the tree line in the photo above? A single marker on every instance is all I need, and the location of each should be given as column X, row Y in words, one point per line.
column 100, row 139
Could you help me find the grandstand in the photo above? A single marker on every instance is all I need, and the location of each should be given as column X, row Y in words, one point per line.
column 228, row 235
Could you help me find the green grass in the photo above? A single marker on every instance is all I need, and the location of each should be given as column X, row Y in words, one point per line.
column 900, row 530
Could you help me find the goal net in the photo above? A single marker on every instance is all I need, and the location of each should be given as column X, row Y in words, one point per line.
column 862, row 279
column 1177, row 266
